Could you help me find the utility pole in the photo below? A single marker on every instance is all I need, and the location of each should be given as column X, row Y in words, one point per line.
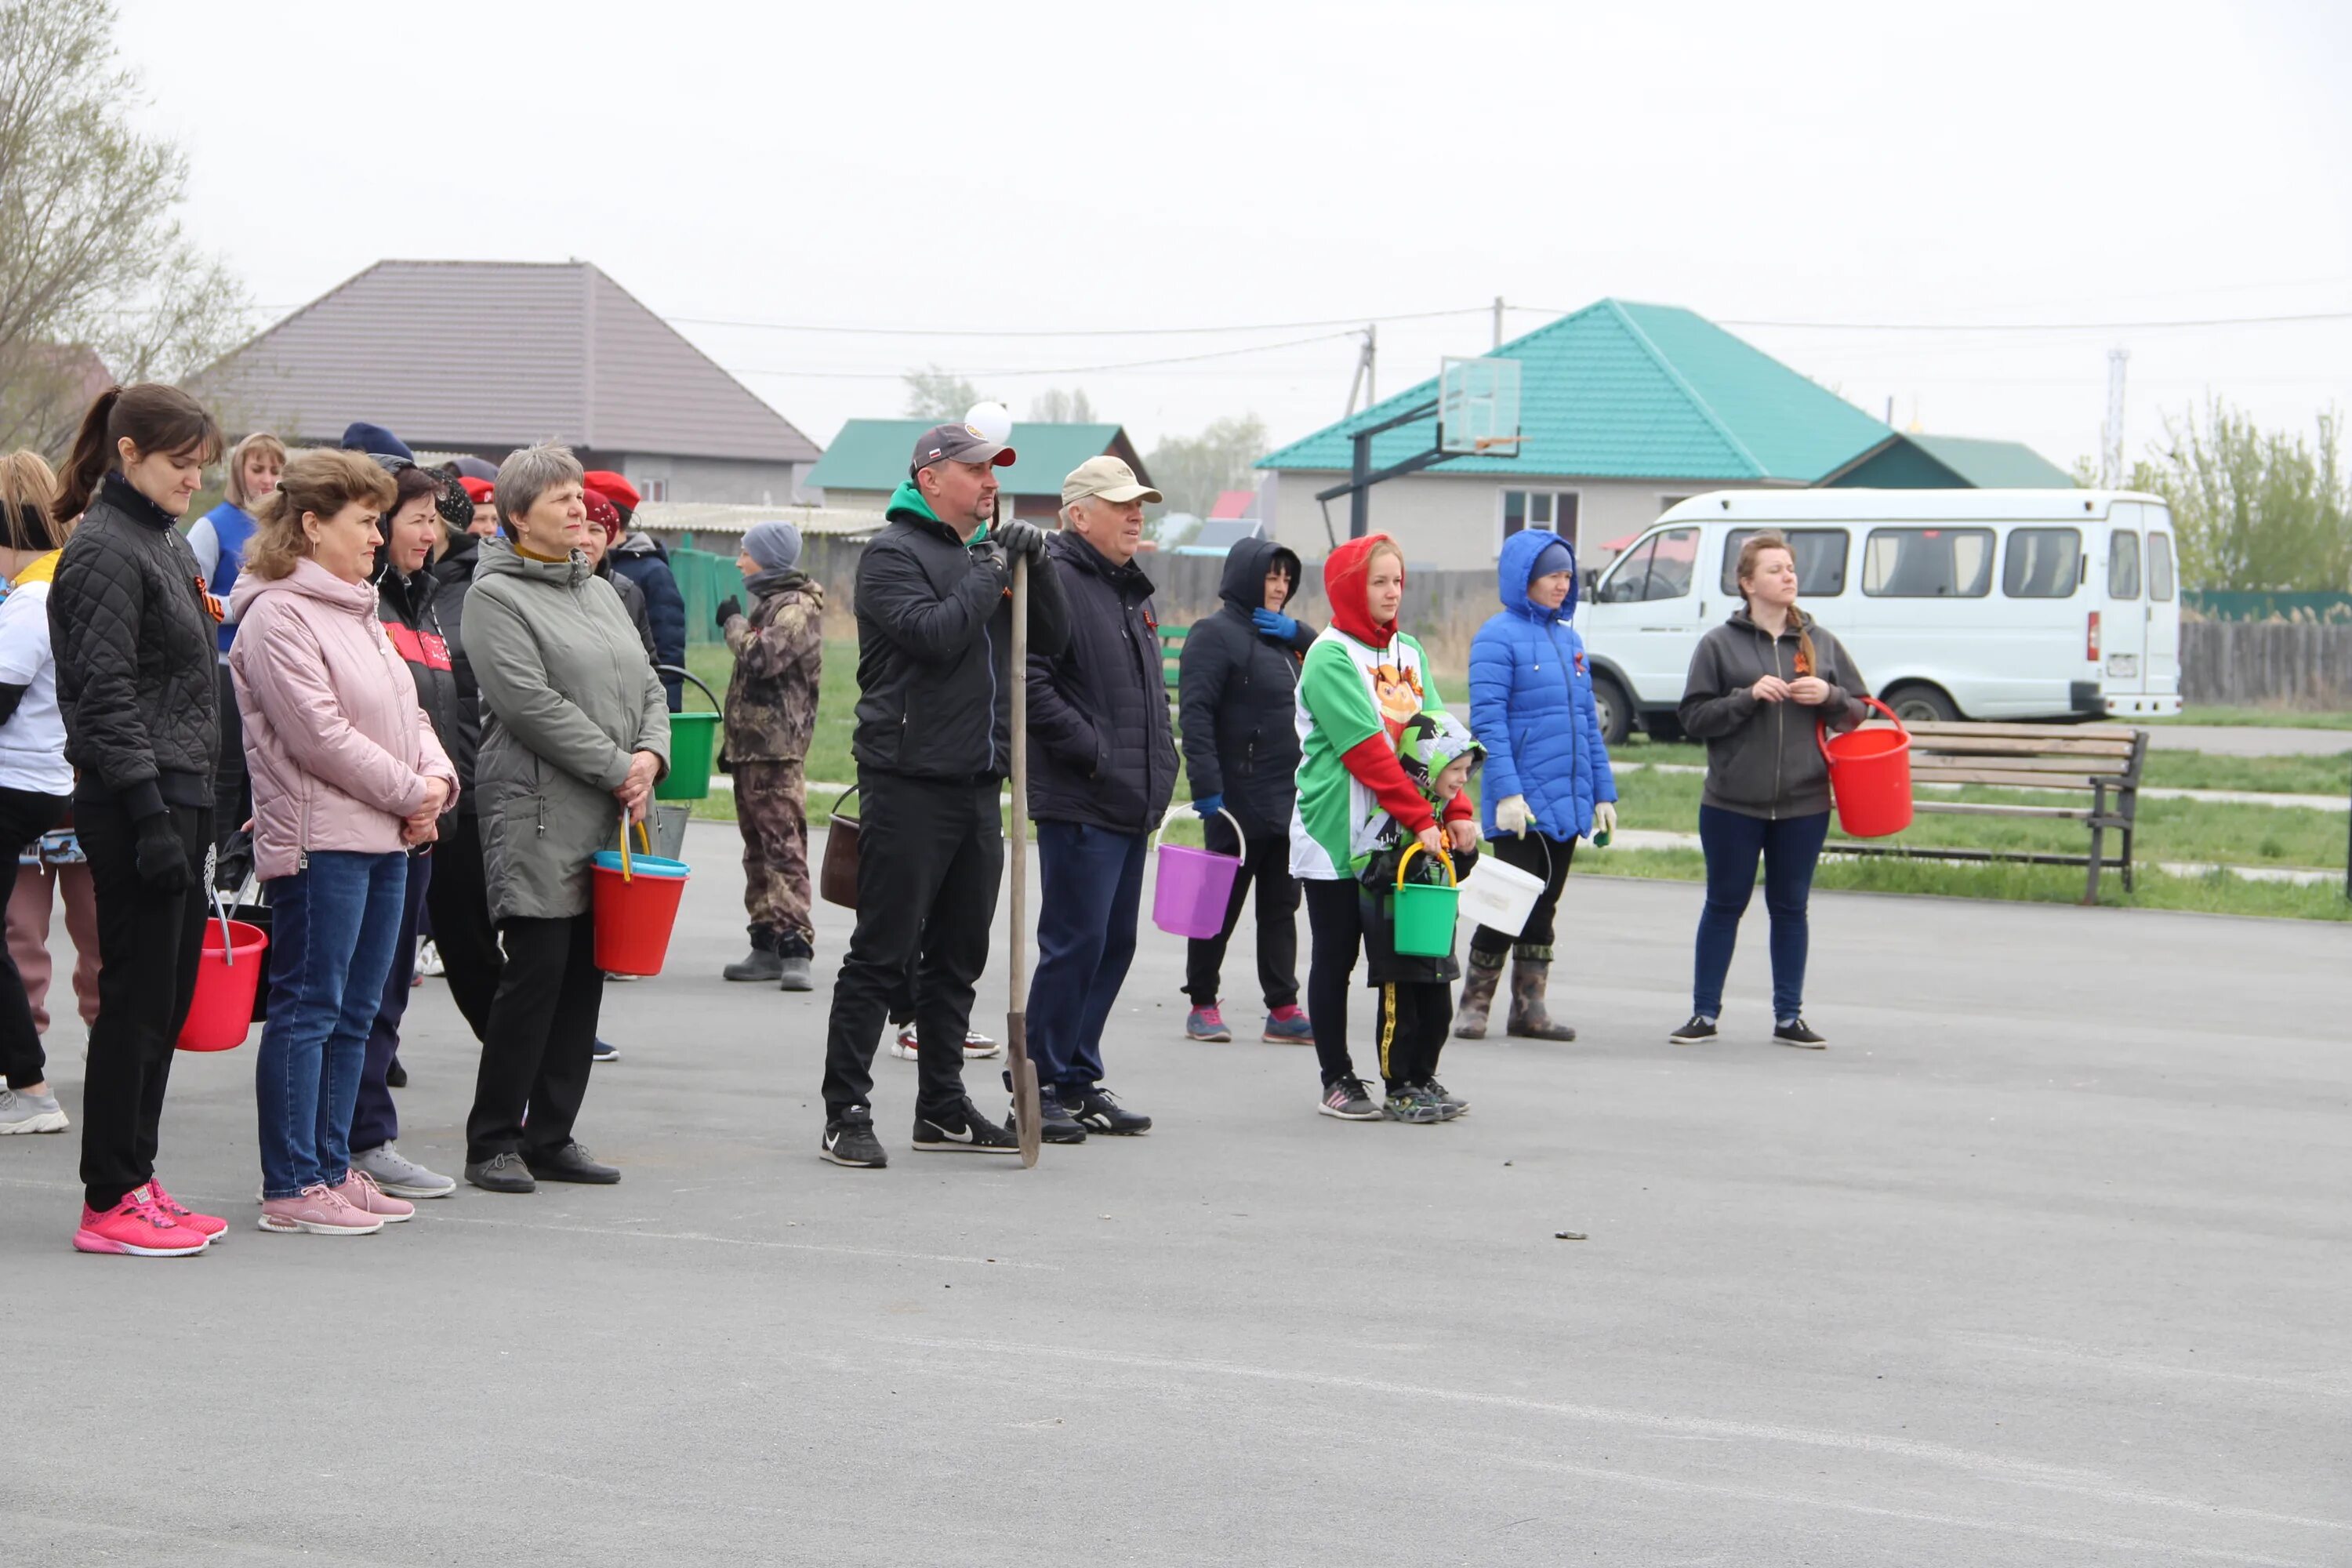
column 1364, row 376
column 2111, row 438
column 1498, row 322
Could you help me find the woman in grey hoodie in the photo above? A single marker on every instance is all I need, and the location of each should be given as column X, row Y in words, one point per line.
column 1757, row 686
column 575, row 734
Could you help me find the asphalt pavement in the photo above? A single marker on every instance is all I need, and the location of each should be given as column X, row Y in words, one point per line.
column 2045, row 1261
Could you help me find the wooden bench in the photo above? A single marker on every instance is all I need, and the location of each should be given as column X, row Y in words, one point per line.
column 2102, row 761
column 1172, row 650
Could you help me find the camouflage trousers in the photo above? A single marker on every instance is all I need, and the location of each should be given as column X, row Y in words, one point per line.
column 771, row 812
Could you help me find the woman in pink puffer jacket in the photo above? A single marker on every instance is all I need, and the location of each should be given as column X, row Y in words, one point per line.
column 347, row 776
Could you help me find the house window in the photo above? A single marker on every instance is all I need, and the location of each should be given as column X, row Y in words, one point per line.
column 1928, row 563
column 2045, row 563
column 653, row 490
column 1554, row 509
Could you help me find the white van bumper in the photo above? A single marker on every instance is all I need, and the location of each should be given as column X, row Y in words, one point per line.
column 2139, row 705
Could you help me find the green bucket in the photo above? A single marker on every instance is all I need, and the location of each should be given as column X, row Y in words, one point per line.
column 1426, row 911
column 693, row 737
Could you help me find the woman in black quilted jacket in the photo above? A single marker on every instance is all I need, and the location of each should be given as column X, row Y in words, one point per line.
column 134, row 626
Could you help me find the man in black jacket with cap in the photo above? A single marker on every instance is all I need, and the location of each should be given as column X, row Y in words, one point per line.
column 933, row 745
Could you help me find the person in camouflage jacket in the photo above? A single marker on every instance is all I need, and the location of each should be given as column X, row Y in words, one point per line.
column 779, row 651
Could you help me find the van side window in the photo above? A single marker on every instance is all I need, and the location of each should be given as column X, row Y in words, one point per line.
column 1821, row 559
column 2159, row 567
column 2123, row 565
column 1928, row 563
column 2043, row 564
column 1657, row 568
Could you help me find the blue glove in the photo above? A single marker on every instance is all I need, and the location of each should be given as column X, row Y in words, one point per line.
column 1208, row 805
column 1273, row 623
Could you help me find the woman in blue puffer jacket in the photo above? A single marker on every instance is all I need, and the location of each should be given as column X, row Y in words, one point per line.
column 1547, row 781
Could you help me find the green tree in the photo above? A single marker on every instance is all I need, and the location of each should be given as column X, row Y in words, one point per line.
column 96, row 279
column 938, row 394
column 1191, row 470
column 2254, row 510
column 1058, row 408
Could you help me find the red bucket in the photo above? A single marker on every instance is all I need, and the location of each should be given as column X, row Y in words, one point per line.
column 636, row 900
column 1870, row 777
column 229, row 974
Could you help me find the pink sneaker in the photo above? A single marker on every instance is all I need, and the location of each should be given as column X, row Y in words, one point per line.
column 136, row 1227
column 360, row 1191
column 319, row 1210
column 212, row 1228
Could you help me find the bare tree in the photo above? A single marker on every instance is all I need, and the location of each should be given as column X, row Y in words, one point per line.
column 936, row 394
column 1058, row 408
column 1190, row 470
column 95, row 278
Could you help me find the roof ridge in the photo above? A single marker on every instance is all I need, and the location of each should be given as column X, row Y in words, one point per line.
column 1705, row 409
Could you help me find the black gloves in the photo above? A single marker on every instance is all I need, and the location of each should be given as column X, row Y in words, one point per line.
column 1022, row 538
column 729, row 608
column 990, row 553
column 163, row 863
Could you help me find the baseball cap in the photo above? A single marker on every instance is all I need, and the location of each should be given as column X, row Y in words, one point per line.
column 957, row 444
column 1108, row 478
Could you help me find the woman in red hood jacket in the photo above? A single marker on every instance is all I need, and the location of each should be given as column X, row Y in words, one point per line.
column 1361, row 682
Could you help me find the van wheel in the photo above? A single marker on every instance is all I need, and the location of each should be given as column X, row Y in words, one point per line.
column 1615, row 711
column 1916, row 702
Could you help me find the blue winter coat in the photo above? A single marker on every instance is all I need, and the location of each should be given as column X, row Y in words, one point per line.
column 1531, row 704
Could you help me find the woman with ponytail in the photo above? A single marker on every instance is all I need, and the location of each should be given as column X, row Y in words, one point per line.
column 133, row 632
column 1757, row 684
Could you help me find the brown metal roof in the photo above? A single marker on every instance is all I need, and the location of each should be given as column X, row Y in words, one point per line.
column 495, row 354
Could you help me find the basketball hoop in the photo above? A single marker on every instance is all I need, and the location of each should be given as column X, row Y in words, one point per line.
column 1484, row 443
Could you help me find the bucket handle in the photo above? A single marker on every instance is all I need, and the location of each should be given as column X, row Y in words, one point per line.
column 228, row 946
column 689, row 677
column 1444, row 859
column 1821, row 728
column 834, row 809
column 641, row 834
column 1239, row 836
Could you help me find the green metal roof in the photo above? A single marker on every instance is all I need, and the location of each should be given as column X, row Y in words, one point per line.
column 872, row 454
column 1631, row 391
column 1993, row 465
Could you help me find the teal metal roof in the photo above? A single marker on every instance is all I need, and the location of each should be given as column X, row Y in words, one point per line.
column 1993, row 465
column 1619, row 390
column 872, row 454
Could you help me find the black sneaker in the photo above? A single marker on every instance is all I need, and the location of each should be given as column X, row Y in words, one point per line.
column 1055, row 1122
column 572, row 1162
column 1349, row 1100
column 1096, row 1109
column 962, row 1129
column 1698, row 1032
column 1798, row 1033
column 502, row 1173
column 849, row 1140
column 395, row 1075
column 604, row 1052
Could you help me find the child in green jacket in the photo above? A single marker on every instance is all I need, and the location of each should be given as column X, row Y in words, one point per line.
column 1416, row 998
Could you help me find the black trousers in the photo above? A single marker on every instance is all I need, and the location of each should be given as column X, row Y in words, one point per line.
column 929, row 855
column 148, row 943
column 541, row 1041
column 1538, row 857
column 1413, row 1020
column 24, row 816
column 232, row 788
column 1266, row 862
column 458, row 904
column 1335, row 925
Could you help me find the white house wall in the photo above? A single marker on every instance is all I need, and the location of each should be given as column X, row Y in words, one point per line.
column 727, row 481
column 1451, row 522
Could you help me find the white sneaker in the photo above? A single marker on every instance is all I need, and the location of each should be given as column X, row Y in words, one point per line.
column 977, row 1046
column 31, row 1112
column 428, row 957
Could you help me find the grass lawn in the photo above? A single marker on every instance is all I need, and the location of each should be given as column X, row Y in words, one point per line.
column 2257, row 717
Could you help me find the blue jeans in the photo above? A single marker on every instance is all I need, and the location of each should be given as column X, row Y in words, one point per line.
column 1789, row 848
column 375, row 1121
column 332, row 927
column 1092, row 884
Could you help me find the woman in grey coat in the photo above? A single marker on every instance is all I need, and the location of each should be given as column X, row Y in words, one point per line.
column 575, row 734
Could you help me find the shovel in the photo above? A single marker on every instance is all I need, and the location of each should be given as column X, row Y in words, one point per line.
column 1026, row 1123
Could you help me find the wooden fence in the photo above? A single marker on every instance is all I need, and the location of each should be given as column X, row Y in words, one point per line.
column 2266, row 664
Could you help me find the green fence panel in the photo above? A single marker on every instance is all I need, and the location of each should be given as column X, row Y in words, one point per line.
column 703, row 580
column 2221, row 605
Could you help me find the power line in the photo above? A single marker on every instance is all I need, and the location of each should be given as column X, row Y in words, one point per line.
column 1069, row 331
column 2038, row 326
column 1062, row 370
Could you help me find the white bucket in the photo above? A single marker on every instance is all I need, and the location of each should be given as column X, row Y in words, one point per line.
column 1498, row 895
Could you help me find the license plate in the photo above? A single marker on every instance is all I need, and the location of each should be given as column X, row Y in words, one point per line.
column 2123, row 665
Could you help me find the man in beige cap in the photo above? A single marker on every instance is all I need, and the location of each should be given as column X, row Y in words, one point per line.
column 1102, row 766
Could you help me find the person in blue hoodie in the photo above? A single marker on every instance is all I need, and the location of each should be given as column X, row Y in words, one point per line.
column 218, row 538
column 1548, row 781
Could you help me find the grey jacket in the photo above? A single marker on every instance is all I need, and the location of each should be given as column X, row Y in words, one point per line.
column 567, row 697
column 1762, row 758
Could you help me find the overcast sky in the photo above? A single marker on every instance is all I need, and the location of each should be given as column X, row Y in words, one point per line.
column 1048, row 168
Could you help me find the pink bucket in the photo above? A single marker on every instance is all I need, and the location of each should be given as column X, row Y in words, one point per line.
column 1193, row 886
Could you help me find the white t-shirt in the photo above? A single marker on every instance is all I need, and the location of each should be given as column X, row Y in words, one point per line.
column 32, row 741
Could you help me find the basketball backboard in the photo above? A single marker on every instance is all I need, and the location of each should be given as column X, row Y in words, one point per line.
column 1479, row 407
